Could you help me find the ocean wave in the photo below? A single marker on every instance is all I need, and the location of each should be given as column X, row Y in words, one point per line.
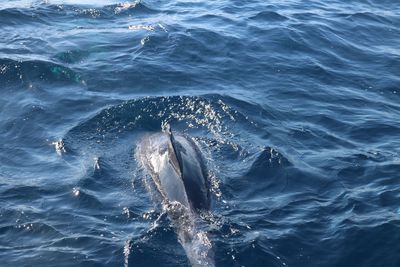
column 46, row 13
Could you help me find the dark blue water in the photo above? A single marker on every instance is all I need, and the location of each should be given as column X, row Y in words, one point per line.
column 295, row 104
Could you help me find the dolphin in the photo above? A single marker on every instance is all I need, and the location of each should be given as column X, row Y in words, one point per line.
column 178, row 170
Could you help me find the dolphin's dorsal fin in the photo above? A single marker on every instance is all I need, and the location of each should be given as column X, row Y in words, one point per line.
column 173, row 157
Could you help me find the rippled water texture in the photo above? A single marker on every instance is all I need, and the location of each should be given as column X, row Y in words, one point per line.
column 294, row 104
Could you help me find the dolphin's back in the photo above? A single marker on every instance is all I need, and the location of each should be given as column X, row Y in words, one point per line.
column 193, row 170
column 178, row 171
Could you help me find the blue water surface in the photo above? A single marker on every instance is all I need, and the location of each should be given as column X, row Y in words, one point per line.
column 294, row 104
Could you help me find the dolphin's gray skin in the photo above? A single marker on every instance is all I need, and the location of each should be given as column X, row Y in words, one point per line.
column 177, row 168
column 190, row 163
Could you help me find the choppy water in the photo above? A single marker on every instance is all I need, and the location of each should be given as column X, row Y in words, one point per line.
column 295, row 105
